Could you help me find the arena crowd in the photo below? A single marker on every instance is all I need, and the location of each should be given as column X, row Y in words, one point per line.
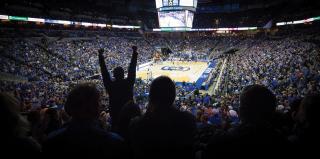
column 59, row 103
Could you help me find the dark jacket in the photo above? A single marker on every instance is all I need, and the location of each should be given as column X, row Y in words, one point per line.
column 85, row 139
column 257, row 138
column 163, row 134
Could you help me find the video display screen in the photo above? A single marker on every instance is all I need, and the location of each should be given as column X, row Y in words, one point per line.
column 172, row 19
column 175, row 19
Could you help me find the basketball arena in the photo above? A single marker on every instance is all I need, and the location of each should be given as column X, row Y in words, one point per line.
column 145, row 79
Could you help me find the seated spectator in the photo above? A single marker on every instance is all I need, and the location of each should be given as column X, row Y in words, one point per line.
column 36, row 129
column 14, row 129
column 163, row 131
column 307, row 133
column 83, row 136
column 51, row 121
column 257, row 109
column 128, row 113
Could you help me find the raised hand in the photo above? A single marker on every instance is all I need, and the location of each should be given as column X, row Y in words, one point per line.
column 101, row 51
column 134, row 48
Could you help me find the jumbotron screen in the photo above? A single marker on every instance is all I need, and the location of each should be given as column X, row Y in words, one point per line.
column 170, row 19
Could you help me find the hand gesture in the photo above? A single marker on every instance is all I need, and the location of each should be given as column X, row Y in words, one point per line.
column 101, row 51
column 134, row 48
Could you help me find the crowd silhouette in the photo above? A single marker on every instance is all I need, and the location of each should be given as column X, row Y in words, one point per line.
column 163, row 131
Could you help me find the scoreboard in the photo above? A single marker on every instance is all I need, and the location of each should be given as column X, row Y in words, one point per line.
column 171, row 3
column 176, row 13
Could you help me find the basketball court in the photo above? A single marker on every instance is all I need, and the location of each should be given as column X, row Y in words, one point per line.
column 179, row 71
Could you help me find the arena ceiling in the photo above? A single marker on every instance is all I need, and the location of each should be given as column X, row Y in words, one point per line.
column 123, row 6
column 130, row 8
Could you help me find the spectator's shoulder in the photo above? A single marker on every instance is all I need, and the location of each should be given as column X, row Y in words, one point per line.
column 56, row 133
column 53, row 139
column 136, row 121
column 23, row 144
column 107, row 135
column 114, row 137
column 113, row 143
column 186, row 115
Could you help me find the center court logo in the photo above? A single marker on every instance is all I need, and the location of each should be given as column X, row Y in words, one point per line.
column 174, row 68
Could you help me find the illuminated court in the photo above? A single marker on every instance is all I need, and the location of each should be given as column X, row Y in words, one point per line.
column 179, row 71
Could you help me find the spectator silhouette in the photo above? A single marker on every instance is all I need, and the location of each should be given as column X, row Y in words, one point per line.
column 51, row 121
column 307, row 121
column 257, row 110
column 14, row 140
column 164, row 130
column 120, row 90
column 127, row 114
column 84, row 136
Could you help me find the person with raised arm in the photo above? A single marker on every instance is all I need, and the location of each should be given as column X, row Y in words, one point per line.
column 120, row 89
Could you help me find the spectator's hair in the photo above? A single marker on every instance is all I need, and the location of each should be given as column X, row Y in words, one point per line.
column 127, row 113
column 52, row 113
column 83, row 102
column 33, row 116
column 294, row 108
column 308, row 113
column 257, row 104
column 118, row 73
column 12, row 123
column 162, row 92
